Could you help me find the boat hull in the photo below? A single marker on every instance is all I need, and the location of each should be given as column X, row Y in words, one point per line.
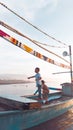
column 20, row 120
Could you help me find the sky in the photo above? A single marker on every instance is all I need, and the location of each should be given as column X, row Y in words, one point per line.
column 55, row 17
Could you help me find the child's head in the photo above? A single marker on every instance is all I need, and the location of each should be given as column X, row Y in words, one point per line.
column 42, row 81
column 37, row 69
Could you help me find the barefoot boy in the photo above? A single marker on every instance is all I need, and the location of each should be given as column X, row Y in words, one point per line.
column 37, row 77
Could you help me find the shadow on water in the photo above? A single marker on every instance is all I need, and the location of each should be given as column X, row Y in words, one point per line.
column 63, row 122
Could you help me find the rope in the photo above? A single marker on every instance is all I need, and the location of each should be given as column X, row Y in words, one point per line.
column 30, row 50
column 33, row 25
column 19, row 33
column 10, row 28
column 49, row 45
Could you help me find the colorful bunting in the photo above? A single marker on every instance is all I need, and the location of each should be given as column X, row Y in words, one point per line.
column 30, row 50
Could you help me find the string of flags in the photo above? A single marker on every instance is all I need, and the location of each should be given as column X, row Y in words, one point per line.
column 30, row 50
column 33, row 41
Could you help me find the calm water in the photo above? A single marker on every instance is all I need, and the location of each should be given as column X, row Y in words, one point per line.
column 63, row 122
column 18, row 89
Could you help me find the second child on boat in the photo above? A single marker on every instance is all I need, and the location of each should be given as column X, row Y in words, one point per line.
column 45, row 91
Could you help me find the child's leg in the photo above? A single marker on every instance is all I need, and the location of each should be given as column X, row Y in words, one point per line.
column 36, row 92
column 39, row 90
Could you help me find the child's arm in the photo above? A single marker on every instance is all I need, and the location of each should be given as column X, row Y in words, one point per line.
column 31, row 77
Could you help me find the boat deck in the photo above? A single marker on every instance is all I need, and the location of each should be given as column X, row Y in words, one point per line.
column 22, row 103
column 12, row 102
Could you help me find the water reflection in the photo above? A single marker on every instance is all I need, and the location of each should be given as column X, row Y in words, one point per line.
column 63, row 122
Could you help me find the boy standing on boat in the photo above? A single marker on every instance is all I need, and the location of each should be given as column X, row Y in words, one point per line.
column 45, row 91
column 37, row 77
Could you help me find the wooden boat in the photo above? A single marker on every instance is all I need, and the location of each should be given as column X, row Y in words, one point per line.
column 20, row 113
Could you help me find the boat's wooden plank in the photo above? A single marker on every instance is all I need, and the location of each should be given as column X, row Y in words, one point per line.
column 13, row 103
column 18, row 98
column 50, row 97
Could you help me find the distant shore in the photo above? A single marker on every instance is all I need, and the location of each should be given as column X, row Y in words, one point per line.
column 3, row 82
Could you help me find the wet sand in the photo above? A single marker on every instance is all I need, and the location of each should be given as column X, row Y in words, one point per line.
column 63, row 122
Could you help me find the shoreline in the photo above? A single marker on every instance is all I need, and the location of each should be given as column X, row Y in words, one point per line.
column 5, row 82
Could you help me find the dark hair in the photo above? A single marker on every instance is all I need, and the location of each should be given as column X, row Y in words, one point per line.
column 42, row 81
column 37, row 68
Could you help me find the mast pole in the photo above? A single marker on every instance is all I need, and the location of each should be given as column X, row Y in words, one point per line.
column 70, row 54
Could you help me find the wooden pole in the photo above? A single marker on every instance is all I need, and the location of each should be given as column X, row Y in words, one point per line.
column 70, row 54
